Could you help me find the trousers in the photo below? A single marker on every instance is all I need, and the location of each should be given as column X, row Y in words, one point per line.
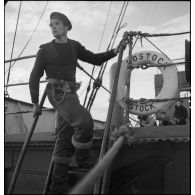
column 75, row 124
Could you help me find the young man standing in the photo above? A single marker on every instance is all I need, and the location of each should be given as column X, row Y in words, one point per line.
column 58, row 59
column 180, row 114
column 164, row 120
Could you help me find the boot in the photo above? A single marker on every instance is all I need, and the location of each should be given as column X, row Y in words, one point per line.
column 84, row 158
column 59, row 180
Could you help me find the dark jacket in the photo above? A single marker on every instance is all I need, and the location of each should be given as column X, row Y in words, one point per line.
column 59, row 66
column 165, row 122
column 180, row 113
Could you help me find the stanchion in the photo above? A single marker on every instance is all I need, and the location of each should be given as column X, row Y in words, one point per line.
column 110, row 110
column 47, row 182
column 24, row 148
column 106, row 177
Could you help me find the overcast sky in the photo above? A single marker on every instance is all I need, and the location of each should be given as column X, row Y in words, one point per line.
column 88, row 18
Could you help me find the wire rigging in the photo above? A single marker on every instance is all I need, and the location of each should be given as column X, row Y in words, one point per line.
column 156, row 47
column 92, row 93
column 89, row 85
column 102, row 69
column 8, row 76
column 31, row 35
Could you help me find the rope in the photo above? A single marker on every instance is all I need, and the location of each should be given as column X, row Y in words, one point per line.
column 13, row 45
column 31, row 34
column 95, row 86
column 89, row 180
column 88, row 88
column 103, row 67
column 178, row 59
column 162, row 34
column 20, row 58
column 143, row 100
column 81, row 68
column 145, row 66
column 28, row 111
column 33, row 56
column 105, row 25
column 156, row 47
column 119, row 28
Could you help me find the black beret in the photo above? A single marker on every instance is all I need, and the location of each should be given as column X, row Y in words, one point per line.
column 62, row 17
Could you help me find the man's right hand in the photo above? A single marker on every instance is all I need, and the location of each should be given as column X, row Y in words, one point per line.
column 36, row 110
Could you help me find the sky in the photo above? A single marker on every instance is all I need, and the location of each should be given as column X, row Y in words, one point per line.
column 88, row 19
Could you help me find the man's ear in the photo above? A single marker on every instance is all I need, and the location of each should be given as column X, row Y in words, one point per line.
column 66, row 27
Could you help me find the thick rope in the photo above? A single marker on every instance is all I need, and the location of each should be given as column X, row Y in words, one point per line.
column 162, row 34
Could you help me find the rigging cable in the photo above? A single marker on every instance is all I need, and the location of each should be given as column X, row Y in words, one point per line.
column 92, row 93
column 8, row 76
column 156, row 47
column 89, row 85
column 31, row 35
column 119, row 28
column 99, row 78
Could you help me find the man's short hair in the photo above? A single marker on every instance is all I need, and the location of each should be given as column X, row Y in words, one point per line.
column 180, row 100
column 163, row 112
column 61, row 17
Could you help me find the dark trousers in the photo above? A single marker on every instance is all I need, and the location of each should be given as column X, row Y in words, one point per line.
column 75, row 124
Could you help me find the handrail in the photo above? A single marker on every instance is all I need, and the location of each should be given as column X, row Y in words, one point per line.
column 106, row 177
column 18, row 84
column 84, row 186
column 28, row 111
column 110, row 109
column 24, row 148
column 20, row 58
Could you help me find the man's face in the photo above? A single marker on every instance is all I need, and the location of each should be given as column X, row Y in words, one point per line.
column 179, row 103
column 163, row 116
column 58, row 29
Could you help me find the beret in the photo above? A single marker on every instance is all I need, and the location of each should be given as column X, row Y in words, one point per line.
column 61, row 17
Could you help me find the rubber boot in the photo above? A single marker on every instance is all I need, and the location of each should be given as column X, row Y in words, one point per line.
column 59, row 180
column 84, row 158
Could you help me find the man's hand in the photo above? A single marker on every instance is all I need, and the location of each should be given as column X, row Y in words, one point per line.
column 123, row 43
column 116, row 50
column 36, row 110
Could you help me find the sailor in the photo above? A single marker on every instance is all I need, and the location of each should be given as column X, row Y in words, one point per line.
column 58, row 59
column 180, row 114
column 164, row 120
column 146, row 120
